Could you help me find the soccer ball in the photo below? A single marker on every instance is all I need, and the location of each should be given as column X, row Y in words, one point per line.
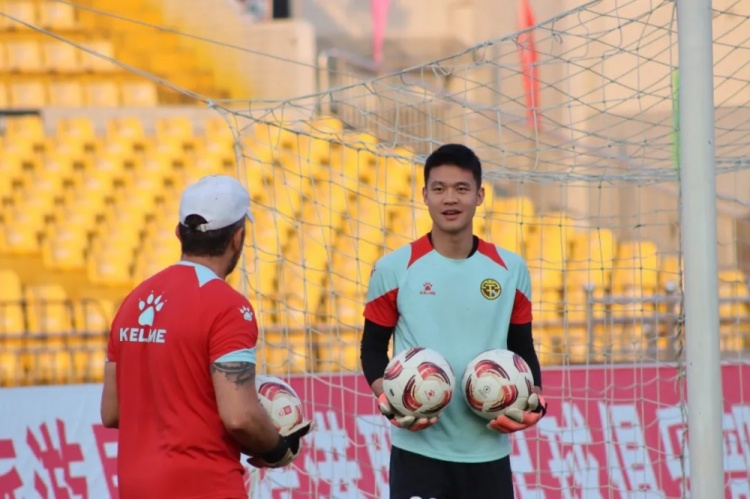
column 418, row 382
column 495, row 381
column 280, row 402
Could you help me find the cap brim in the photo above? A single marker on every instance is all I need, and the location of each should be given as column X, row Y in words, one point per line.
column 249, row 215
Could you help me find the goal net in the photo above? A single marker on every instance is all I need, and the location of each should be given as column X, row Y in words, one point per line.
column 575, row 122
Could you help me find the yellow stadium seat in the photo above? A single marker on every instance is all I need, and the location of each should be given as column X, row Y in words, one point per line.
column 636, row 265
column 24, row 56
column 60, row 57
column 139, row 93
column 97, row 59
column 337, row 353
column 504, row 233
column 56, row 15
column 670, row 271
column 27, row 94
column 129, row 127
column 4, row 99
column 394, row 171
column 49, row 311
column 733, row 294
column 347, row 310
column 21, row 237
column 24, row 10
column 12, row 370
column 65, row 248
column 111, row 267
column 78, row 130
column 93, row 315
column 174, row 127
column 88, row 363
column 12, row 325
column 102, row 93
column 50, row 365
column 284, row 353
column 65, row 93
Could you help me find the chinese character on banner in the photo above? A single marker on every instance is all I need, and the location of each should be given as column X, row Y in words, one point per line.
column 331, row 463
column 629, row 462
column 378, row 443
column 10, row 481
column 523, row 463
column 572, row 461
column 55, row 459
column 106, row 445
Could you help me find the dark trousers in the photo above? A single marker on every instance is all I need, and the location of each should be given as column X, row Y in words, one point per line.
column 413, row 476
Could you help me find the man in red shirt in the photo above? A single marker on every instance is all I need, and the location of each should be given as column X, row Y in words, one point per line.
column 179, row 382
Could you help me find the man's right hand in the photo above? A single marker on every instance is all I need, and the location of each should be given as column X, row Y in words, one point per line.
column 286, row 451
column 410, row 423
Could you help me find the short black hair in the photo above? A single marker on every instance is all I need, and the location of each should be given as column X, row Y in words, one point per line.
column 208, row 243
column 456, row 155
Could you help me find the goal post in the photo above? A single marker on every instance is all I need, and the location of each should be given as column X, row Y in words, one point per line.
column 698, row 208
column 635, row 252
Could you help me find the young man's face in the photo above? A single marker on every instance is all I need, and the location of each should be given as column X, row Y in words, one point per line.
column 452, row 196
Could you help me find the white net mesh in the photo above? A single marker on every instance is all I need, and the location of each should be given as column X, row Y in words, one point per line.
column 584, row 184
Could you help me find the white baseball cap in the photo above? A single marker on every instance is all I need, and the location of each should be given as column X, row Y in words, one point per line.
column 219, row 199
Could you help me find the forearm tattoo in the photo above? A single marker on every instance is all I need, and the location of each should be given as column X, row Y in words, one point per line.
column 239, row 373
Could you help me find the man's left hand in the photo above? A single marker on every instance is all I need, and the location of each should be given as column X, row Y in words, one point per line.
column 517, row 420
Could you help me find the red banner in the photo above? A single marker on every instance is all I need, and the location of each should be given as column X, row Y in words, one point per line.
column 611, row 432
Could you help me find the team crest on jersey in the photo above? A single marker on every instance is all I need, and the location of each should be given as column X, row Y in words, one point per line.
column 490, row 289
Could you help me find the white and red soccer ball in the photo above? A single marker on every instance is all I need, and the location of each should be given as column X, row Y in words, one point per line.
column 418, row 382
column 280, row 402
column 495, row 381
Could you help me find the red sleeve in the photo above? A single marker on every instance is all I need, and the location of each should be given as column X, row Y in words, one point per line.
column 521, row 309
column 383, row 310
column 235, row 327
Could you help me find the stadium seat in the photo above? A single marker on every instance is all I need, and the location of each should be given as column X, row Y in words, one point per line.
column 60, row 57
column 93, row 315
column 336, row 352
column 88, row 363
column 24, row 56
column 102, row 93
column 139, row 93
column 24, row 10
column 636, row 265
column 4, row 97
column 27, row 94
column 50, row 365
column 65, row 93
column 12, row 326
column 78, row 130
column 284, row 353
column 57, row 16
column 21, row 236
column 111, row 266
column 50, row 312
column 97, row 59
column 12, row 369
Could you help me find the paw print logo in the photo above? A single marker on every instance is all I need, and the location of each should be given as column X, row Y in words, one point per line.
column 428, row 286
column 247, row 314
column 427, row 289
column 148, row 308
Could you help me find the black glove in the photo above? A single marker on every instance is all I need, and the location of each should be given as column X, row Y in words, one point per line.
column 285, row 451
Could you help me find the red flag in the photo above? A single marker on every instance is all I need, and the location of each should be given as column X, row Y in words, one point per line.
column 379, row 10
column 529, row 70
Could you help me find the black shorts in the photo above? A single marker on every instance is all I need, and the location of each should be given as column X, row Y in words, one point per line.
column 413, row 476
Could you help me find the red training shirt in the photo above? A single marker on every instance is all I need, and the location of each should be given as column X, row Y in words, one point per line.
column 164, row 338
